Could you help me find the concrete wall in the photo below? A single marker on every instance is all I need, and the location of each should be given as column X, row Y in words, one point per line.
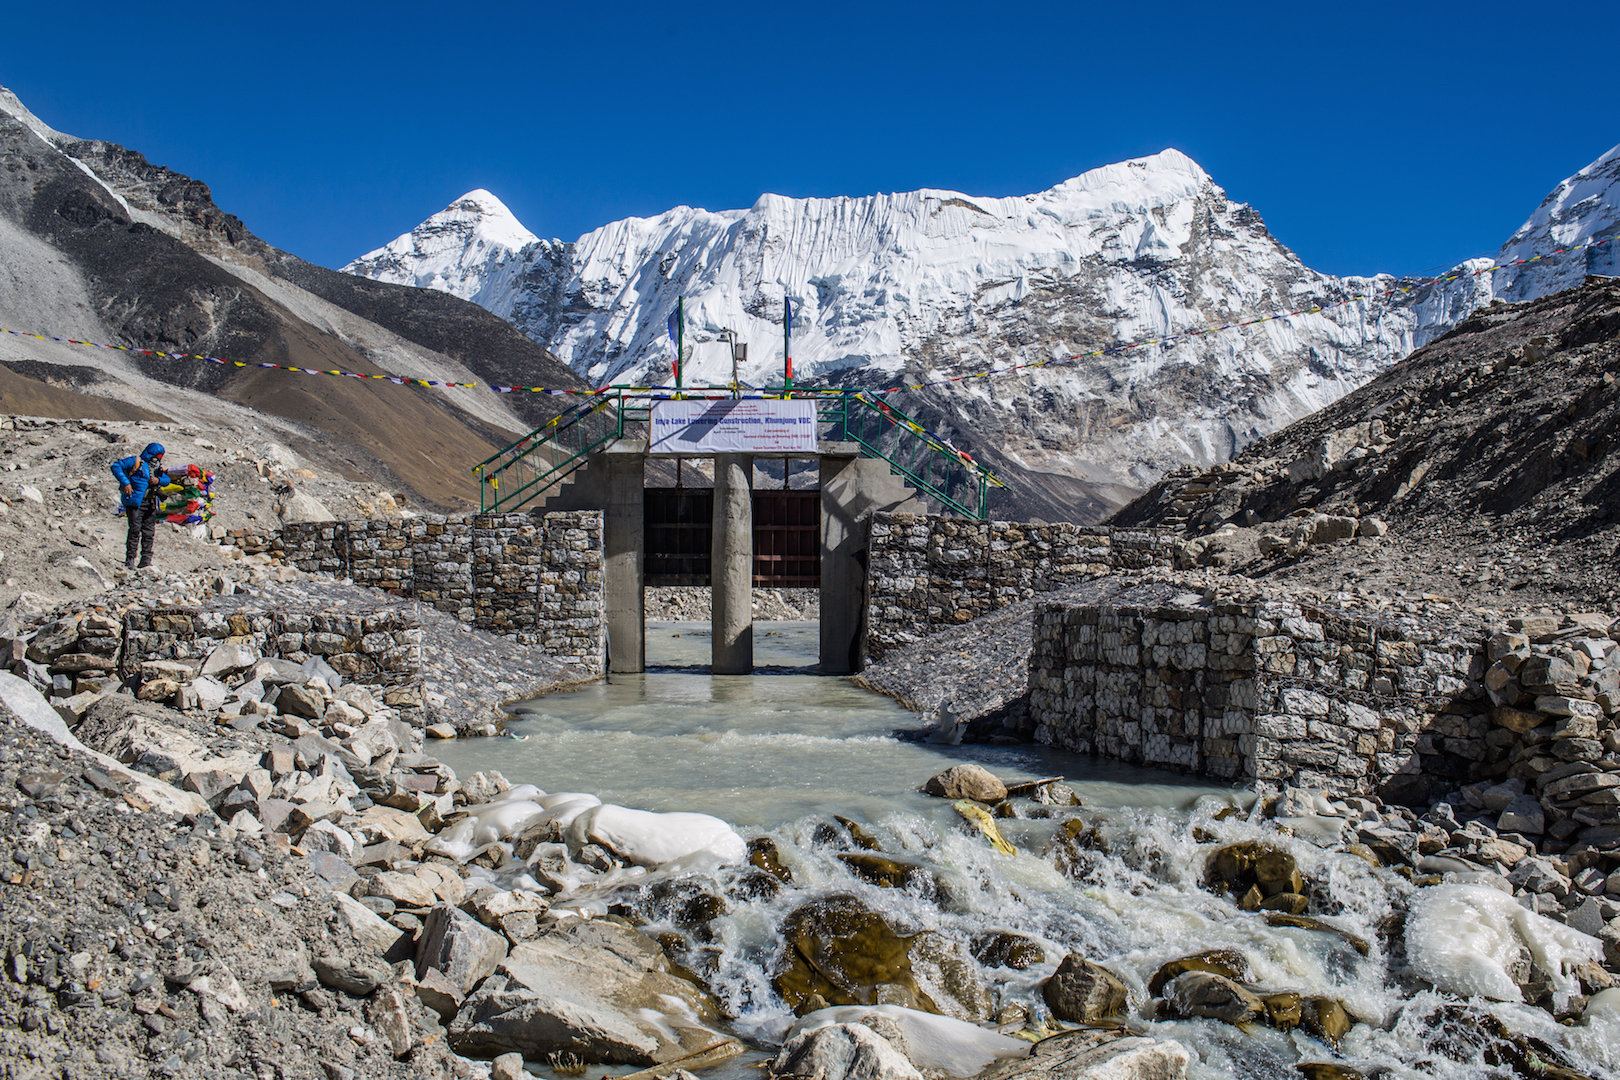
column 536, row 578
column 927, row 571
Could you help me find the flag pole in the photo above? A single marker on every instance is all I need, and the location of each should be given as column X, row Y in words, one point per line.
column 680, row 337
column 787, row 342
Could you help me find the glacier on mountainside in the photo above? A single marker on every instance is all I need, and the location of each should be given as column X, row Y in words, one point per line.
column 927, row 286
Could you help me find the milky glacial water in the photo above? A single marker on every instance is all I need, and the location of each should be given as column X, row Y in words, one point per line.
column 782, row 751
column 765, row 749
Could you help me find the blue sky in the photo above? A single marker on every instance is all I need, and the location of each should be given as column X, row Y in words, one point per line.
column 1371, row 138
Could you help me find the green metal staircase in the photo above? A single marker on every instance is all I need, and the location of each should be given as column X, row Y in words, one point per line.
column 538, row 463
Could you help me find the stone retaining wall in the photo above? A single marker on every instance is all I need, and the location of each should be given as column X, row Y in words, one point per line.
column 1264, row 688
column 926, row 571
column 379, row 648
column 375, row 648
column 536, row 578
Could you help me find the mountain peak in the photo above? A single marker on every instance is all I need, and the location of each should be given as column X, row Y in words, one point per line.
column 490, row 218
column 1584, row 208
column 458, row 244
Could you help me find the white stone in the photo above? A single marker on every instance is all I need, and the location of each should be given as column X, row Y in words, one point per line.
column 210, row 692
column 301, row 507
column 366, row 927
column 327, row 836
column 231, row 656
column 842, row 1052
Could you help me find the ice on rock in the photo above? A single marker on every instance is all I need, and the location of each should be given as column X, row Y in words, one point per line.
column 936, row 1043
column 656, row 840
column 1463, row 939
column 1603, row 1005
column 641, row 837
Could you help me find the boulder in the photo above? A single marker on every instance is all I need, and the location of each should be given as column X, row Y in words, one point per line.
column 842, row 1052
column 369, row 931
column 297, row 700
column 1203, row 993
column 1265, row 870
column 967, row 782
column 1083, row 992
column 328, row 837
column 438, row 993
column 1008, row 950
column 405, row 890
column 483, row 787
column 1227, row 962
column 1135, row 1057
column 459, row 946
column 1329, row 528
column 594, row 988
column 386, row 823
column 357, row 978
column 508, row 1067
column 231, row 656
column 1088, row 1054
column 300, row 507
column 334, row 870
column 840, row 952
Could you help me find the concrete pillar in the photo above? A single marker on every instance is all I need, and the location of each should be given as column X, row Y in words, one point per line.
column 843, row 570
column 624, row 475
column 852, row 490
column 732, row 565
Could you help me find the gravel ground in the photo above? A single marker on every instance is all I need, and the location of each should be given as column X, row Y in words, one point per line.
column 137, row 944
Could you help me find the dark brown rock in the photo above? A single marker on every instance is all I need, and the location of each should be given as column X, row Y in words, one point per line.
column 1083, row 992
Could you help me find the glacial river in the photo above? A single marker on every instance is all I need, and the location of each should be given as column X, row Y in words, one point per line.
column 782, row 751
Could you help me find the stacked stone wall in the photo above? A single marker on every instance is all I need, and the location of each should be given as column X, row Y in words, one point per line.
column 375, row 648
column 317, row 547
column 441, row 549
column 1263, row 689
column 380, row 555
column 926, row 572
column 536, row 578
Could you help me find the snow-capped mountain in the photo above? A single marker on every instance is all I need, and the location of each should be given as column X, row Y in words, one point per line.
column 922, row 286
column 1584, row 208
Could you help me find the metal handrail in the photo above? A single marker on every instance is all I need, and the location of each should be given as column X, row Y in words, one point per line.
column 514, row 480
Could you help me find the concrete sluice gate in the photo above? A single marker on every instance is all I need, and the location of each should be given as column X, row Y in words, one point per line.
column 732, row 537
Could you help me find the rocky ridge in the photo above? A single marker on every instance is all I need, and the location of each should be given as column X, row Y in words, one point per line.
column 1480, row 468
column 108, row 247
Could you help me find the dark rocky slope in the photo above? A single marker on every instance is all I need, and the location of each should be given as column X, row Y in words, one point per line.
column 1490, row 455
column 202, row 283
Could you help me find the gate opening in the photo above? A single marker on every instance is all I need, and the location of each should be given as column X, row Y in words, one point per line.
column 678, row 527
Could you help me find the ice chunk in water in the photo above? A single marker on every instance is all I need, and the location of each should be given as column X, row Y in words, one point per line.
column 650, row 839
column 1605, row 1004
column 937, row 1043
column 1463, row 939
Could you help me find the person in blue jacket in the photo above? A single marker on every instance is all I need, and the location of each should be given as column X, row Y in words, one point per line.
column 139, row 480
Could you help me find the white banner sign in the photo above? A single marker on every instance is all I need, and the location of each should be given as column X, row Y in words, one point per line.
column 732, row 426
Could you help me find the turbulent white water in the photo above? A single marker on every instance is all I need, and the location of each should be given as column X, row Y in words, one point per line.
column 782, row 752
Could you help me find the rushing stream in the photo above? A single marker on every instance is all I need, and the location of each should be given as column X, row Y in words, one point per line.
column 783, row 751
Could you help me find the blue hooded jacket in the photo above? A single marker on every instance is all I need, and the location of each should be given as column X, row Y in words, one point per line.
column 138, row 472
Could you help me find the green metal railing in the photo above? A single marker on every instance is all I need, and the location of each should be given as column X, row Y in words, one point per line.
column 537, row 463
column 947, row 476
